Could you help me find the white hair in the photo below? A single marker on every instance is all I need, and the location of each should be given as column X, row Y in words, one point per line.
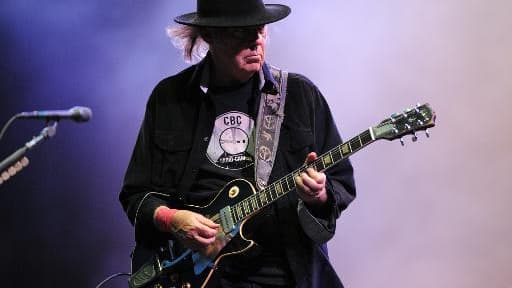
column 188, row 39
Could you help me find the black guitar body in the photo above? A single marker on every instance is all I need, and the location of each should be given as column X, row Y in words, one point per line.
column 152, row 263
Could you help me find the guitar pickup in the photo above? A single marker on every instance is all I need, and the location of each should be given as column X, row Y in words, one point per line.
column 226, row 219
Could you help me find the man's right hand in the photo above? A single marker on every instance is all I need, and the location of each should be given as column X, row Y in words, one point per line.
column 193, row 230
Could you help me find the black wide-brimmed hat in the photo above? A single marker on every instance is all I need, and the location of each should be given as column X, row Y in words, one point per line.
column 233, row 13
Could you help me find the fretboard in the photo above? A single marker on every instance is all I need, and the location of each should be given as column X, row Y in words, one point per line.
column 281, row 187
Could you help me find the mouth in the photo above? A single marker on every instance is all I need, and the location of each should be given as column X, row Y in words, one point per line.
column 251, row 58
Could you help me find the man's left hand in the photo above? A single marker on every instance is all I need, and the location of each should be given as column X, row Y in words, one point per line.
column 311, row 184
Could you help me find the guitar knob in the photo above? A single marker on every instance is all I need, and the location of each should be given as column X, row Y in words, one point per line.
column 402, row 141
column 427, row 133
column 414, row 137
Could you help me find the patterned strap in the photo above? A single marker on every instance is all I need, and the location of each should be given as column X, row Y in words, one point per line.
column 268, row 127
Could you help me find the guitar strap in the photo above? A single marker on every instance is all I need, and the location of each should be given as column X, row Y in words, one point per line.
column 270, row 118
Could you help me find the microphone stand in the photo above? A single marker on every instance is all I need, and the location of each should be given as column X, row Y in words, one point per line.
column 16, row 161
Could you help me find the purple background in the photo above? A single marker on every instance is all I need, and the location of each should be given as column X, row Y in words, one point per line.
column 432, row 214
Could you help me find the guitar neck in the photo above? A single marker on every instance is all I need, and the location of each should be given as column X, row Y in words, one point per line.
column 281, row 187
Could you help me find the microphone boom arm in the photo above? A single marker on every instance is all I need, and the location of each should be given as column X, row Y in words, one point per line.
column 7, row 166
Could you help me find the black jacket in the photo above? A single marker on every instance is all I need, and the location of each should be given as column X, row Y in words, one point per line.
column 175, row 133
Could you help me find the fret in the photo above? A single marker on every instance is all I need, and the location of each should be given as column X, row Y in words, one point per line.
column 367, row 137
column 273, row 193
column 254, row 203
column 273, row 189
column 287, row 180
column 233, row 214
column 345, row 149
column 245, row 207
column 288, row 186
column 337, row 153
column 279, row 189
column 239, row 210
column 236, row 217
column 354, row 144
column 327, row 160
column 284, row 181
column 270, row 193
column 248, row 206
column 258, row 200
column 263, row 197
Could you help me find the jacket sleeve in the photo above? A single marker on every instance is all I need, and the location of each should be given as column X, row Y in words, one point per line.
column 340, row 181
column 138, row 196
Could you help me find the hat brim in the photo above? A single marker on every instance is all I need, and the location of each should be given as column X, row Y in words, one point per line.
column 273, row 13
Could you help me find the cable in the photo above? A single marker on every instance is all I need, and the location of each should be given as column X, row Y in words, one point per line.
column 112, row 277
column 7, row 125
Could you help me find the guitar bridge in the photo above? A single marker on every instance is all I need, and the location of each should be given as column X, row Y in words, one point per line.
column 226, row 219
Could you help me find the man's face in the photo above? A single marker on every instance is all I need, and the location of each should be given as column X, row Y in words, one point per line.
column 241, row 51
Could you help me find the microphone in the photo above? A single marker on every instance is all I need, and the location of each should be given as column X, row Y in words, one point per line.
column 77, row 114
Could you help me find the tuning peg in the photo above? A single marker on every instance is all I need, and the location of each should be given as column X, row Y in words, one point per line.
column 414, row 137
column 402, row 141
column 427, row 133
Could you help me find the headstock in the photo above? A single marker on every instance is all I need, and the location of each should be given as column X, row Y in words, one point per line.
column 409, row 121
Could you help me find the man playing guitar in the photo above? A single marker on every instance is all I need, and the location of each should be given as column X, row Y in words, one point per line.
column 234, row 116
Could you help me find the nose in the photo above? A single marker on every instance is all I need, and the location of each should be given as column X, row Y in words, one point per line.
column 258, row 39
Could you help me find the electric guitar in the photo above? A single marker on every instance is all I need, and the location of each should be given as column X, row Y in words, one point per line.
column 168, row 265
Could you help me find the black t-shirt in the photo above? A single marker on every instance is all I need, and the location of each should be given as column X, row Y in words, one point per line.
column 230, row 155
column 230, row 152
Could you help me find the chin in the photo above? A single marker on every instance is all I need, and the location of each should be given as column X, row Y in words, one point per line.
column 253, row 67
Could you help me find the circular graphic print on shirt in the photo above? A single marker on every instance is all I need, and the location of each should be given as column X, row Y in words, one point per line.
column 234, row 140
column 231, row 145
